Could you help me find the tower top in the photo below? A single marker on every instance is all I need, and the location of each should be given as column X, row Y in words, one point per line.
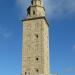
column 36, row 9
column 37, row 2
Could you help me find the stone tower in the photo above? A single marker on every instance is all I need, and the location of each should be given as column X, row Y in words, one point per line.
column 35, row 52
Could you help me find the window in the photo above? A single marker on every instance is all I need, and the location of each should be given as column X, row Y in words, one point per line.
column 33, row 12
column 37, row 70
column 32, row 2
column 37, row 35
column 28, row 11
column 25, row 73
column 37, row 59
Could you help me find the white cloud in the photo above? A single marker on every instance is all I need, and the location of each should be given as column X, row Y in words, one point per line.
column 59, row 8
column 54, row 8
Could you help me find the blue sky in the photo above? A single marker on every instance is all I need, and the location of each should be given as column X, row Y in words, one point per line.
column 61, row 18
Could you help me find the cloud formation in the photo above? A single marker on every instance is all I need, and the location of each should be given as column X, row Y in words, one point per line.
column 54, row 8
column 59, row 8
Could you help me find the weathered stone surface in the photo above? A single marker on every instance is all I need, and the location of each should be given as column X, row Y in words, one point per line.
column 35, row 52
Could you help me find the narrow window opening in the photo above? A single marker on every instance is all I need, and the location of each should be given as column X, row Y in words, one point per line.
column 32, row 2
column 25, row 73
column 37, row 59
column 28, row 11
column 37, row 35
column 33, row 12
column 37, row 70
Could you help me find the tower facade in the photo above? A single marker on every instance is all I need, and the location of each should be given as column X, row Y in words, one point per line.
column 35, row 52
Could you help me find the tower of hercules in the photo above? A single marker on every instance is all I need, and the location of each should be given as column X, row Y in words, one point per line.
column 35, row 51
